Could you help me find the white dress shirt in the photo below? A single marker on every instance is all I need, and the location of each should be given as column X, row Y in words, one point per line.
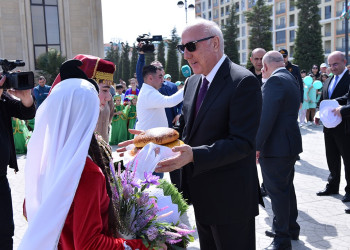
column 150, row 107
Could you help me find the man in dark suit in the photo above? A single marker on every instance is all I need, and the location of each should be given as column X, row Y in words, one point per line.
column 337, row 140
column 220, row 118
column 278, row 143
column 344, row 113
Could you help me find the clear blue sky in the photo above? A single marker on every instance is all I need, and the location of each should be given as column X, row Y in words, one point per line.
column 124, row 20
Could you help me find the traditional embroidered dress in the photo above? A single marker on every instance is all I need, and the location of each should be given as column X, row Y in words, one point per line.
column 119, row 131
column 21, row 135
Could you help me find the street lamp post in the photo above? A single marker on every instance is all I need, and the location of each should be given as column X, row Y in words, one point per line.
column 181, row 4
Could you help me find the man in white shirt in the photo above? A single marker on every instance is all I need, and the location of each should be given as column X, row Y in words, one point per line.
column 150, row 104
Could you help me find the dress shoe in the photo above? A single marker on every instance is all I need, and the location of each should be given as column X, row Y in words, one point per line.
column 272, row 235
column 327, row 191
column 347, row 211
column 279, row 245
column 346, row 198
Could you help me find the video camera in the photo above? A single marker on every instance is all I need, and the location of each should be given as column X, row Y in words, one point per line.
column 16, row 80
column 146, row 41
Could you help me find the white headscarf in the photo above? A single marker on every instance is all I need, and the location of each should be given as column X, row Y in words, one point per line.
column 57, row 152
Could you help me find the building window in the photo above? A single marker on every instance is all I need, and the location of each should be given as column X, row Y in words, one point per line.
column 280, row 37
column 227, row 8
column 291, row 20
column 209, row 15
column 291, row 35
column 327, row 12
column 203, row 6
column 222, row 12
column 204, row 16
column 242, row 18
column 281, row 23
column 45, row 26
column 222, row 23
column 243, row 44
column 244, row 57
column 281, row 8
column 209, row 4
column 243, row 31
column 242, row 5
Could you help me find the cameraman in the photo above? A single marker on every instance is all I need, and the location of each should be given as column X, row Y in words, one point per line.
column 25, row 110
column 168, row 88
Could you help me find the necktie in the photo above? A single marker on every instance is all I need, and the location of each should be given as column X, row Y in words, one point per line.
column 202, row 91
column 332, row 86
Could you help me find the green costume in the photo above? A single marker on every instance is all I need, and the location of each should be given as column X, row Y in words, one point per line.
column 31, row 124
column 119, row 127
column 21, row 135
column 131, row 111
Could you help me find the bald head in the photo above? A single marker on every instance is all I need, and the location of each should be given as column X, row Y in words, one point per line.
column 337, row 62
column 272, row 60
column 256, row 59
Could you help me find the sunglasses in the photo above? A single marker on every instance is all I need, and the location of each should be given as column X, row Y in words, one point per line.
column 284, row 56
column 314, row 68
column 191, row 46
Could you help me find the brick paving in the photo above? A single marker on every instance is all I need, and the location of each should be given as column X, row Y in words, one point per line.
column 324, row 224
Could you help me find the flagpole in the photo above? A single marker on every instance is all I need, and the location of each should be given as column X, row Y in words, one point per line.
column 346, row 31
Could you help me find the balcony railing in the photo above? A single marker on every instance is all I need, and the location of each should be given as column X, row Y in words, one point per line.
column 327, row 15
column 342, row 49
column 292, row 38
column 291, row 24
column 327, row 51
column 327, row 33
column 280, row 11
column 342, row 31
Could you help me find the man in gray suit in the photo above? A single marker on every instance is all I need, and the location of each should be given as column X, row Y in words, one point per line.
column 278, row 144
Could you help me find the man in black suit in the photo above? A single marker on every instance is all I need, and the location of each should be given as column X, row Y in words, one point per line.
column 344, row 113
column 278, row 143
column 337, row 140
column 220, row 118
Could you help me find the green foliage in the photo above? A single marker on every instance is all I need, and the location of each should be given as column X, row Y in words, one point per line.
column 172, row 64
column 113, row 56
column 260, row 24
column 134, row 57
column 308, row 41
column 176, row 197
column 149, row 57
column 231, row 33
column 125, row 62
column 161, row 52
column 49, row 64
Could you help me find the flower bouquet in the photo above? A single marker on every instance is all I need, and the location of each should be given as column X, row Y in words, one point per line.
column 138, row 214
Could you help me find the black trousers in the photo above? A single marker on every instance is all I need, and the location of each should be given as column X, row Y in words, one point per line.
column 175, row 177
column 337, row 147
column 7, row 226
column 278, row 175
column 240, row 235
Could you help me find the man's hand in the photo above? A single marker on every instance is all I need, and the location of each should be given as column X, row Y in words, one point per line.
column 336, row 111
column 24, row 95
column 140, row 46
column 170, row 164
column 122, row 145
column 2, row 82
column 257, row 155
column 176, row 119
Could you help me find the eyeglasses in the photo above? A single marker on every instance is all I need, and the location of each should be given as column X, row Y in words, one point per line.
column 191, row 46
column 314, row 68
column 284, row 56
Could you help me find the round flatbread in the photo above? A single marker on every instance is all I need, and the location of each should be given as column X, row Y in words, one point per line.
column 160, row 136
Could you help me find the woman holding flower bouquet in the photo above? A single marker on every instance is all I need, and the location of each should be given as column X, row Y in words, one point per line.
column 67, row 197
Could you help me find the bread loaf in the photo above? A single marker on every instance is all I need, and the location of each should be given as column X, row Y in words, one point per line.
column 158, row 136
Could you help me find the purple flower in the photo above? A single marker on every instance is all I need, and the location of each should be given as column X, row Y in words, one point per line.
column 152, row 233
column 150, row 179
column 127, row 191
column 172, row 235
column 143, row 200
column 183, row 226
column 171, row 241
column 182, row 231
column 134, row 183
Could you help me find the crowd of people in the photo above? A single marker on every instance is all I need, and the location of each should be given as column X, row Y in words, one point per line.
column 222, row 144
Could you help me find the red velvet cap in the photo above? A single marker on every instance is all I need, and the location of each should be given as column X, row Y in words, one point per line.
column 95, row 68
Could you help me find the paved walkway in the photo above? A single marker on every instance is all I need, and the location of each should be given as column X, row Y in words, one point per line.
column 324, row 225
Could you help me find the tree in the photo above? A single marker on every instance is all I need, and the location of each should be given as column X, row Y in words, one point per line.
column 125, row 62
column 308, row 41
column 134, row 57
column 230, row 36
column 149, row 57
column 161, row 52
column 113, row 56
column 260, row 23
column 49, row 64
column 172, row 64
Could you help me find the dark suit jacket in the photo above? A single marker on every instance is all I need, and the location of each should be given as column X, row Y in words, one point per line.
column 279, row 134
column 345, row 111
column 222, row 183
column 294, row 70
column 340, row 90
